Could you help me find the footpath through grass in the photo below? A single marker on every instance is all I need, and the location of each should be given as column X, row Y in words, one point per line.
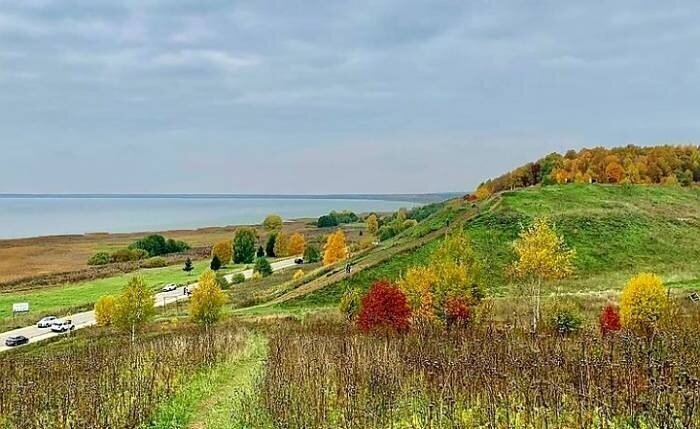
column 222, row 397
column 61, row 299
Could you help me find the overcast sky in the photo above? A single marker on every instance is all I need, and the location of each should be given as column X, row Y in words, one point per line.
column 329, row 96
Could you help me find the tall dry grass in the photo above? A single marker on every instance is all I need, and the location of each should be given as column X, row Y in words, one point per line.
column 110, row 384
column 326, row 376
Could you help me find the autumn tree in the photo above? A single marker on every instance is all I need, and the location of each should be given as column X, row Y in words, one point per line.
column 223, row 250
column 614, row 172
column 643, row 303
column 244, row 244
column 541, row 256
column 272, row 222
column 207, row 300
column 282, row 245
column 297, row 244
column 134, row 307
column 105, row 310
column 372, row 224
column 458, row 269
column 335, row 249
column 385, row 308
column 483, row 192
column 609, row 320
column 298, row 275
column 418, row 285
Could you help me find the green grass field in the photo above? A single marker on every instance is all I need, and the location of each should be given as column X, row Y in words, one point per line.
column 617, row 231
column 60, row 299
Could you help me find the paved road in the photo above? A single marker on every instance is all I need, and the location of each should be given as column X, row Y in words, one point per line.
column 87, row 318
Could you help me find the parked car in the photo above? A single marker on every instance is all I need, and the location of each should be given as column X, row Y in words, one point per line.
column 298, row 261
column 62, row 325
column 169, row 287
column 46, row 322
column 16, row 340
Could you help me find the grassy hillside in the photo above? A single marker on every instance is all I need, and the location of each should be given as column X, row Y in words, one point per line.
column 617, row 231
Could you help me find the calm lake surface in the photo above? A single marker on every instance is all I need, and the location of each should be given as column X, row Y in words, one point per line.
column 28, row 217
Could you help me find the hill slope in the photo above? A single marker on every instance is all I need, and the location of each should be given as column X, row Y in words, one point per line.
column 617, row 231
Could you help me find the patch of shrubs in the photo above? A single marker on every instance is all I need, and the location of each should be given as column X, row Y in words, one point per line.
column 156, row 245
column 336, row 218
column 565, row 319
column 150, row 246
column 127, row 254
column 237, row 278
column 610, row 320
column 99, row 258
column 156, row 262
column 385, row 308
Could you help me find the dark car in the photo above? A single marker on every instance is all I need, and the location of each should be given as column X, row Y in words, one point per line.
column 16, row 340
column 298, row 261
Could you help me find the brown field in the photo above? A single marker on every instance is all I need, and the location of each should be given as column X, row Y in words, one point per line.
column 42, row 259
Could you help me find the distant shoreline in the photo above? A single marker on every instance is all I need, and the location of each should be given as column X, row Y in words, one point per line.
column 414, row 198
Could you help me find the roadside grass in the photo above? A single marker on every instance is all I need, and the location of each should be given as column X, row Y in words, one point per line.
column 223, row 396
column 57, row 300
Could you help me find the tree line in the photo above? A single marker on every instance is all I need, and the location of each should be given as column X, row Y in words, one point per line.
column 668, row 165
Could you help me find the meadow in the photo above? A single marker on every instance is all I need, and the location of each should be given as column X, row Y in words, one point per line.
column 288, row 358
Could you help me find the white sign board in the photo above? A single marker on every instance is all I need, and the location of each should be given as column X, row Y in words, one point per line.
column 20, row 307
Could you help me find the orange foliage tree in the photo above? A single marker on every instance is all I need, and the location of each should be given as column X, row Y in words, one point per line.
column 297, row 244
column 335, row 249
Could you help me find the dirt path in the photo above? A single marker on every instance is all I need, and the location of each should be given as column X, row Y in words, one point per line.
column 235, row 403
column 370, row 260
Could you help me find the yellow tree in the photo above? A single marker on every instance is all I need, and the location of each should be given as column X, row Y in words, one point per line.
column 223, row 250
column 372, row 224
column 135, row 306
column 297, row 244
column 282, row 245
column 483, row 192
column 105, row 310
column 458, row 270
column 272, row 222
column 335, row 249
column 541, row 256
column 418, row 284
column 643, row 303
column 207, row 300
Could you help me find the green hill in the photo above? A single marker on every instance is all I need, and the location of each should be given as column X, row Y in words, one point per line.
column 616, row 230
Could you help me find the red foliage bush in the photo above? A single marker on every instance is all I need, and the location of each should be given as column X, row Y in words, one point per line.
column 384, row 306
column 457, row 312
column 610, row 320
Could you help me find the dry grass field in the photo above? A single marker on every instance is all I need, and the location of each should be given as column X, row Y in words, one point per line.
column 39, row 256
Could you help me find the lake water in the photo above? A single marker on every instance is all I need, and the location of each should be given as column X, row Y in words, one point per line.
column 28, row 217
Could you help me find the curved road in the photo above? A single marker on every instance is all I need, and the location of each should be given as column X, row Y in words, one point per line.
column 87, row 318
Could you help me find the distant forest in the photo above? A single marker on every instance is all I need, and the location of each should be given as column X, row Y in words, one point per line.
column 672, row 165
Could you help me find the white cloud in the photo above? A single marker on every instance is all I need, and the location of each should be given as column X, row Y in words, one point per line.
column 198, row 58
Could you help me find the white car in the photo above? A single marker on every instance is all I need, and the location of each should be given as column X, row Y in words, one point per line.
column 46, row 322
column 169, row 287
column 62, row 325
